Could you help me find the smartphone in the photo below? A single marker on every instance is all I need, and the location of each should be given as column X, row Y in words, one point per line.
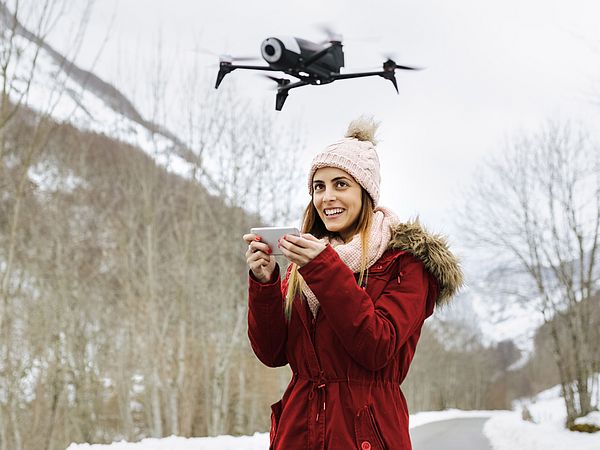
column 271, row 236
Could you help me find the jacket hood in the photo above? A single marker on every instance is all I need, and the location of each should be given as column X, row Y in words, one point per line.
column 433, row 251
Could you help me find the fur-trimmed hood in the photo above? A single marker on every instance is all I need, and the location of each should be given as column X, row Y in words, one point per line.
column 433, row 251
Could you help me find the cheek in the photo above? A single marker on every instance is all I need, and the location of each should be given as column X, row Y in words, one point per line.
column 316, row 200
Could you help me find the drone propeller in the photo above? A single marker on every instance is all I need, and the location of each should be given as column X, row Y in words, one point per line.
column 332, row 35
column 391, row 59
column 390, row 64
column 224, row 57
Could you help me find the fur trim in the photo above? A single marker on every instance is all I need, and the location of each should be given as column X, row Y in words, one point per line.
column 363, row 129
column 433, row 251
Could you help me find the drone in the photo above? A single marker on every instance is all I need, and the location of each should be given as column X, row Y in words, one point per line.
column 311, row 63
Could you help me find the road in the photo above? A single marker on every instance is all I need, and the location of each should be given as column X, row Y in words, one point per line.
column 454, row 434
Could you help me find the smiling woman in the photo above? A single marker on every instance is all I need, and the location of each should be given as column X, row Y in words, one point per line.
column 338, row 200
column 348, row 314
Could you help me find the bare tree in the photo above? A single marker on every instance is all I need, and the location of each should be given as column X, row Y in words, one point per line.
column 536, row 209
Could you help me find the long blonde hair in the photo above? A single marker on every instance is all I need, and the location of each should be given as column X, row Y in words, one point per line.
column 313, row 224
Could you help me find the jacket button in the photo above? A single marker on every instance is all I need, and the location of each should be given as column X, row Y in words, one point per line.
column 366, row 445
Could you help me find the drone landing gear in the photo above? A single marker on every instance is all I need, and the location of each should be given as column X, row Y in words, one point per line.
column 283, row 87
column 280, row 99
column 224, row 69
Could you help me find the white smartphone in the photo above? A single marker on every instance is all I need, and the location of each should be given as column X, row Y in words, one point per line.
column 271, row 236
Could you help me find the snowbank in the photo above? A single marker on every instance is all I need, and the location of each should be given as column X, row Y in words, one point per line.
column 592, row 418
column 507, row 431
column 259, row 441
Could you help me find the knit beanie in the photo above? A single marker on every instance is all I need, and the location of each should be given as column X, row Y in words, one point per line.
column 354, row 154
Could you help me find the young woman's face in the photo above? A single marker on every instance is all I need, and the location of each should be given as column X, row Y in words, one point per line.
column 338, row 200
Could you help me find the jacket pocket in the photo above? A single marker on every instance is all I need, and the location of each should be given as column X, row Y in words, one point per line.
column 367, row 432
column 275, row 415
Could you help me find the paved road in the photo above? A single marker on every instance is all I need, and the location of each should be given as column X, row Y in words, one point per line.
column 454, row 434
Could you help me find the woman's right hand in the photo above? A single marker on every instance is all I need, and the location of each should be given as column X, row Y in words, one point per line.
column 259, row 258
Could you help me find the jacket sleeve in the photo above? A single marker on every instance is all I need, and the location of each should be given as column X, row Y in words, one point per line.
column 267, row 328
column 371, row 330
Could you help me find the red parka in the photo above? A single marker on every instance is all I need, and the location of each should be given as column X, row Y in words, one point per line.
column 349, row 361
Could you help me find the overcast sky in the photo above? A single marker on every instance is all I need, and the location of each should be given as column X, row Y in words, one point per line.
column 493, row 68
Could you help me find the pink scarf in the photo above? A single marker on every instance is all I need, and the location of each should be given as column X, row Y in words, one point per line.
column 379, row 238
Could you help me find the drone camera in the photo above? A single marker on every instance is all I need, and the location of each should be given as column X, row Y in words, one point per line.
column 271, row 50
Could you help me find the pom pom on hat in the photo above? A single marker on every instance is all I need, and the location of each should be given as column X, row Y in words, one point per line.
column 354, row 154
column 363, row 129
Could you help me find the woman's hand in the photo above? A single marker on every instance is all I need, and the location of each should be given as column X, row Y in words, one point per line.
column 301, row 249
column 259, row 258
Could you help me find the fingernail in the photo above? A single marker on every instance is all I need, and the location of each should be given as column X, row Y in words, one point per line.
column 258, row 238
column 269, row 251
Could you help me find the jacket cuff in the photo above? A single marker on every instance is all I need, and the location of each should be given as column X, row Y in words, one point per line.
column 258, row 287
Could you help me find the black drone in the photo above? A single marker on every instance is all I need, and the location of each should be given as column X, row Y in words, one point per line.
column 308, row 61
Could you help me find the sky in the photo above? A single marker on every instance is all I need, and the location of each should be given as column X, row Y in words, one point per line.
column 491, row 70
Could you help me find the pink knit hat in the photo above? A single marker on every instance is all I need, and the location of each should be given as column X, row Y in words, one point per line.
column 355, row 154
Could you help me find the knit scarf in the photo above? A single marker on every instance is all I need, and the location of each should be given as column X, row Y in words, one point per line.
column 380, row 235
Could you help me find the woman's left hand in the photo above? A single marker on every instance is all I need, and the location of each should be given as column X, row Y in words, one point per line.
column 301, row 249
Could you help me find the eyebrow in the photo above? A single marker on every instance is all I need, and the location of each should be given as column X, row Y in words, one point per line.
column 334, row 179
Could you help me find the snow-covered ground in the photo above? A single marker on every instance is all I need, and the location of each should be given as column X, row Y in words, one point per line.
column 506, row 430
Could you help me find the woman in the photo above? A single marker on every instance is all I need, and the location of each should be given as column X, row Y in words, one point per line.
column 349, row 312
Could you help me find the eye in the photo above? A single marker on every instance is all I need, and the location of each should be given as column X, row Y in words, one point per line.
column 341, row 183
column 318, row 187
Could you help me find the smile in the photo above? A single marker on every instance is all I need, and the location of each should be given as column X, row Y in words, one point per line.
column 333, row 212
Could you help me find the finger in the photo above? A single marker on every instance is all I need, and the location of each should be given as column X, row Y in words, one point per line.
column 310, row 237
column 296, row 240
column 251, row 237
column 256, row 246
column 258, row 259
column 291, row 256
column 296, row 258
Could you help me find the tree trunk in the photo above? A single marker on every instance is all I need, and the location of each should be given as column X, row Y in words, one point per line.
column 157, row 430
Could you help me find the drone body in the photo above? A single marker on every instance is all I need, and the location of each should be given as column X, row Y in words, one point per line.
column 309, row 62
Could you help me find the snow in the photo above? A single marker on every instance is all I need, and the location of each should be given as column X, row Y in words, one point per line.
column 65, row 99
column 549, row 407
column 259, row 441
column 507, row 431
column 592, row 418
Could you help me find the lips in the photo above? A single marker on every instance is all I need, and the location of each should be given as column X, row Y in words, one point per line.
column 333, row 212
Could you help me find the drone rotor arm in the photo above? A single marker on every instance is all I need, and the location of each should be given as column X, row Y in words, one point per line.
column 387, row 74
column 225, row 68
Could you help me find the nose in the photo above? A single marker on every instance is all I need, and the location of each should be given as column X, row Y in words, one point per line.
column 328, row 195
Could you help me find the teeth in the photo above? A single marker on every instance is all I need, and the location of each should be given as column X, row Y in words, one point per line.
column 330, row 212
